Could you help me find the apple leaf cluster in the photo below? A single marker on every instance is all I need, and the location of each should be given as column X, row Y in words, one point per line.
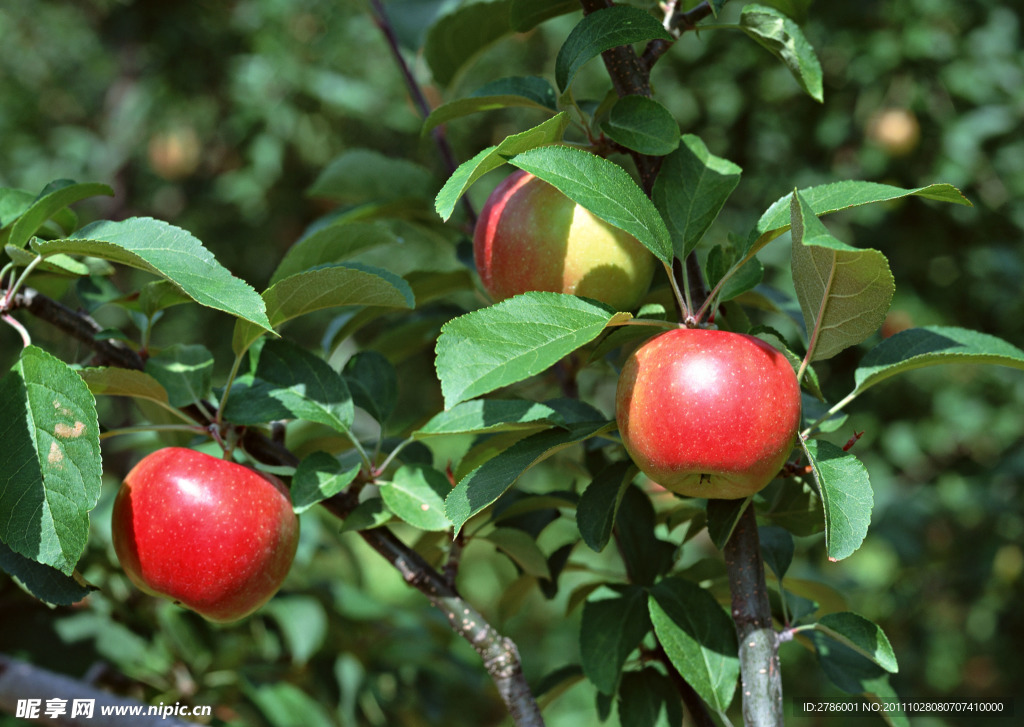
column 520, row 382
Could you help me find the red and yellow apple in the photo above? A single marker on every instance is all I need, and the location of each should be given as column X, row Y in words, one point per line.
column 530, row 236
column 708, row 413
column 212, row 535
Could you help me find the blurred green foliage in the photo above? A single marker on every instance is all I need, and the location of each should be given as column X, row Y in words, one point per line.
column 217, row 116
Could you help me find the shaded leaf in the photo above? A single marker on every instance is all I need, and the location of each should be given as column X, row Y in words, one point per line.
column 373, row 382
column 114, row 381
column 54, row 198
column 611, row 628
column 522, row 549
column 517, row 91
column 648, row 698
column 185, row 371
column 599, row 504
column 365, row 175
column 777, row 548
column 456, row 38
column 861, row 635
column 642, row 124
column 525, row 15
column 331, row 244
column 318, row 477
column 784, row 38
column 489, row 415
column 44, row 582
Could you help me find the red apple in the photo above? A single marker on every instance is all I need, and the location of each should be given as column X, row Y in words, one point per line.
column 530, row 236
column 708, row 413
column 210, row 534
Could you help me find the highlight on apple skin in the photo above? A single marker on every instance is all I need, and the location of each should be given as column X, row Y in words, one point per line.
column 708, row 413
column 210, row 534
column 530, row 236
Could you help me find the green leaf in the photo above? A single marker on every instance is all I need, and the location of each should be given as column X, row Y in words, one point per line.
column 331, row 244
column 525, row 15
column 171, row 253
column 855, row 674
column 721, row 265
column 369, row 514
column 458, row 37
column 777, row 548
column 602, row 187
column 861, row 635
column 698, row 637
column 691, row 190
column 364, row 175
column 160, row 295
column 599, row 504
column 50, row 471
column 373, row 382
column 600, row 31
column 610, row 630
column 487, row 482
column 113, row 381
column 185, row 371
column 648, row 698
column 845, row 494
column 916, row 348
column 318, row 477
column 548, row 132
column 328, row 286
column 645, row 555
column 489, row 415
column 642, row 124
column 291, row 383
column 516, row 91
column 723, row 515
column 13, row 204
column 48, row 204
column 786, row 41
column 522, row 549
column 42, row 581
column 416, row 494
column 835, row 197
column 280, row 702
column 303, row 622
column 796, row 9
column 844, row 292
column 517, row 338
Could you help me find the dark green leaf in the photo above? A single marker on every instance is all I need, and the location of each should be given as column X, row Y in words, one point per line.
column 513, row 340
column 645, row 555
column 522, row 548
column 855, row 674
column 368, row 514
column 171, row 253
column 373, row 382
column 691, row 190
column 603, row 188
column 291, row 383
column 50, row 469
column 458, row 37
column 518, row 91
column 184, row 370
column 642, row 124
column 777, row 548
column 786, row 41
column 318, row 477
column 861, row 635
column 722, row 518
column 845, row 494
column 492, row 157
column 599, row 504
column 648, row 698
column 42, row 581
column 610, row 630
column 915, row 348
column 526, row 15
column 600, row 31
column 486, row 483
column 698, row 637
column 416, row 494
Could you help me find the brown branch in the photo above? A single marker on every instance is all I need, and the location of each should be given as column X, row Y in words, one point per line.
column 760, row 677
column 678, row 23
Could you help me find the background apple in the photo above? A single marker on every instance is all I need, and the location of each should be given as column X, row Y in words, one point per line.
column 708, row 413
column 530, row 236
column 211, row 534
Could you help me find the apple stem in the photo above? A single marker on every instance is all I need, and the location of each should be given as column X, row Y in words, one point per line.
column 13, row 322
column 681, row 298
column 153, row 428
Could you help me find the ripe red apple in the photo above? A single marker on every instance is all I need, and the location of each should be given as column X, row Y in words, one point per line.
column 210, row 534
column 530, row 236
column 708, row 413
